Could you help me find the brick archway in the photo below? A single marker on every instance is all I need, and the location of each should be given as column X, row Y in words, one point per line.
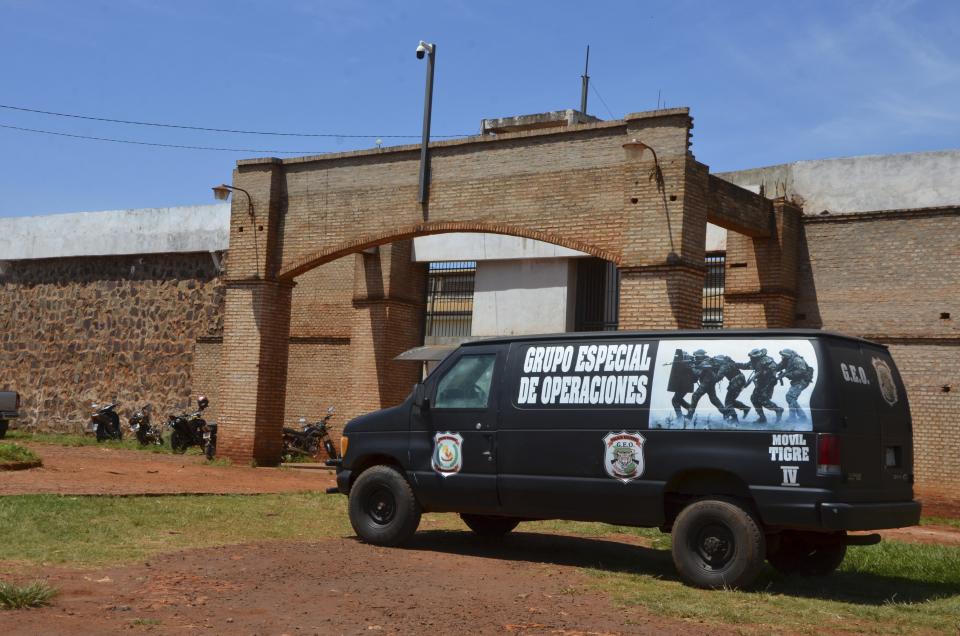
column 596, row 188
column 292, row 269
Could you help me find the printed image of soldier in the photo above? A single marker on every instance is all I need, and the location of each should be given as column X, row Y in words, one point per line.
column 793, row 367
column 728, row 369
column 681, row 380
column 764, row 379
column 707, row 380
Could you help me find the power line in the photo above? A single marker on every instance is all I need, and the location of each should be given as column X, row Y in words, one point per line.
column 603, row 101
column 149, row 143
column 208, row 129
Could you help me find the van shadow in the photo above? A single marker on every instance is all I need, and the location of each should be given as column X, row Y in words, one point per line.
column 611, row 556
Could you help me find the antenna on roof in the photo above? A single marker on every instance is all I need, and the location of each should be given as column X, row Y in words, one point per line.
column 585, row 83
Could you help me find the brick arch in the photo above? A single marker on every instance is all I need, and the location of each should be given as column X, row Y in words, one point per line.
column 626, row 191
column 298, row 266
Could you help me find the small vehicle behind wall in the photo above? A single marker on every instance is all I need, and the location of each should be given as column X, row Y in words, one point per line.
column 143, row 430
column 190, row 429
column 104, row 422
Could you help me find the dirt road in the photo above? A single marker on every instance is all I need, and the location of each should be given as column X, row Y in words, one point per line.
column 92, row 470
column 445, row 583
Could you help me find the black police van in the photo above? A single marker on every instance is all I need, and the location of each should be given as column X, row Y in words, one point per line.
column 745, row 445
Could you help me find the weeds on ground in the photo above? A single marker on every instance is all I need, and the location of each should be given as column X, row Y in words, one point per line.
column 34, row 594
column 129, row 442
column 940, row 521
column 891, row 587
column 15, row 454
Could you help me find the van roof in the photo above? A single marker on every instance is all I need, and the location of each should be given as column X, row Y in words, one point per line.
column 672, row 333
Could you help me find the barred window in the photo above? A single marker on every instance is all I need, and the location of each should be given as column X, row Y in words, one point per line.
column 450, row 298
column 713, row 291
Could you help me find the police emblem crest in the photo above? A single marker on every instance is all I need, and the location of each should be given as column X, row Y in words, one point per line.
column 888, row 388
column 623, row 455
column 447, row 453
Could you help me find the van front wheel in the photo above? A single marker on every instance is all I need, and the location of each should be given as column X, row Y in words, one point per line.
column 488, row 525
column 717, row 544
column 383, row 510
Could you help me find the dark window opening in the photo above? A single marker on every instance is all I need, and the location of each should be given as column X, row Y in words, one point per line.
column 713, row 291
column 598, row 295
column 450, row 298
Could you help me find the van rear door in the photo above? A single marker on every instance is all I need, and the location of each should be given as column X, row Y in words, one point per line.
column 874, row 427
column 893, row 417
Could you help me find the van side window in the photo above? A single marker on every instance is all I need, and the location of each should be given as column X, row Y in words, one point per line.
column 467, row 384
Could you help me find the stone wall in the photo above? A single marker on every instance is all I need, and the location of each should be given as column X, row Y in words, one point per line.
column 119, row 328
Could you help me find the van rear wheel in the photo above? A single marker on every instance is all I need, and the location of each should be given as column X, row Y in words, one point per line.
column 717, row 544
column 383, row 510
column 808, row 553
column 489, row 525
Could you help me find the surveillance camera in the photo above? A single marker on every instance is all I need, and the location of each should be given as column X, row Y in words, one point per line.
column 423, row 48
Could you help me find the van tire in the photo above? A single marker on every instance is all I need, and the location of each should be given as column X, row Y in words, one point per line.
column 3, row 428
column 717, row 544
column 383, row 510
column 488, row 525
column 797, row 555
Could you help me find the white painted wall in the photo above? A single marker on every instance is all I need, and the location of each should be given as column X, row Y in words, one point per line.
column 523, row 297
column 468, row 246
column 196, row 228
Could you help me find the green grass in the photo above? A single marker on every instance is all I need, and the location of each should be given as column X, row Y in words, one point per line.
column 889, row 588
column 128, row 442
column 940, row 521
column 34, row 594
column 14, row 454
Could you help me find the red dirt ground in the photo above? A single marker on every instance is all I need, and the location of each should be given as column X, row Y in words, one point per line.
column 445, row 583
column 92, row 470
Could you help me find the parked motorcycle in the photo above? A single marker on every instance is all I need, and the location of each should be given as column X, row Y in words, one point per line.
column 190, row 429
column 140, row 426
column 105, row 422
column 310, row 439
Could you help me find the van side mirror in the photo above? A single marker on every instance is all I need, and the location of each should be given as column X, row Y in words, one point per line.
column 420, row 397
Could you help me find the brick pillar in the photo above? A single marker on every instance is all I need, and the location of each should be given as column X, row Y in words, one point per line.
column 761, row 277
column 256, row 334
column 256, row 325
column 388, row 316
column 662, row 267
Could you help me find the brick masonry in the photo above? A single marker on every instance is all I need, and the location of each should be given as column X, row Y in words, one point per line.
column 312, row 321
column 894, row 277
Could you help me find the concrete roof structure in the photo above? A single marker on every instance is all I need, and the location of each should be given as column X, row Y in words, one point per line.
column 860, row 184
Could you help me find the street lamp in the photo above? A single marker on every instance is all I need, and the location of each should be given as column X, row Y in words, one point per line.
column 222, row 193
column 430, row 50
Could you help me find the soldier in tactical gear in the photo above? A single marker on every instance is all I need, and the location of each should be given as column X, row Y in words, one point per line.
column 707, row 380
column 764, row 379
column 681, row 380
column 727, row 368
column 793, row 367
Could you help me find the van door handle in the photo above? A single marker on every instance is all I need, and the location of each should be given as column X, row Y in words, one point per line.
column 489, row 452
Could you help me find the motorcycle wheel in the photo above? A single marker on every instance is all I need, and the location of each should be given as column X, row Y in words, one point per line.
column 210, row 451
column 101, row 434
column 142, row 437
column 178, row 442
column 3, row 428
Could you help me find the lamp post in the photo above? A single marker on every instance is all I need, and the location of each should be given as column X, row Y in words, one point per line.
column 430, row 50
column 222, row 193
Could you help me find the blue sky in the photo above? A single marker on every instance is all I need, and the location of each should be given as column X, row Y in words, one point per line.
column 767, row 82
